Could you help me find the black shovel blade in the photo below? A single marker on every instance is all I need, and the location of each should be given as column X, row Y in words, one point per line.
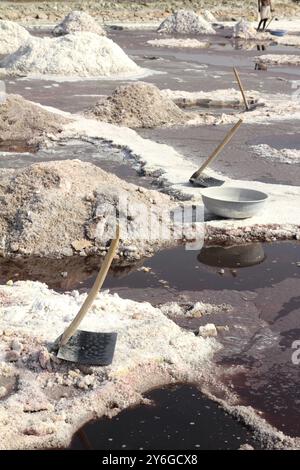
column 206, row 181
column 86, row 347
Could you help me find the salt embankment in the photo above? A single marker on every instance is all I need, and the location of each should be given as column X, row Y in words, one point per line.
column 24, row 121
column 63, row 208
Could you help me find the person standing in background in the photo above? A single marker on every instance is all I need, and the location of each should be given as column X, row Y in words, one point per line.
column 265, row 9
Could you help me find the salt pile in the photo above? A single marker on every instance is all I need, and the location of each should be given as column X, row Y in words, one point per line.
column 185, row 22
column 22, row 120
column 12, row 36
column 78, row 21
column 244, row 30
column 74, row 55
column 63, row 208
column 138, row 105
column 53, row 398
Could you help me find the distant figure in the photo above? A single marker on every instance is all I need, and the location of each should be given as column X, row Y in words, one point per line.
column 264, row 8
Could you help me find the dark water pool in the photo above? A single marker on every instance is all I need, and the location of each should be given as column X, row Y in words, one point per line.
column 180, row 418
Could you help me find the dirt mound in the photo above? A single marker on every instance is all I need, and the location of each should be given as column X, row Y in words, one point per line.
column 185, row 22
column 78, row 21
column 24, row 121
column 138, row 105
column 63, row 208
column 12, row 36
column 73, row 55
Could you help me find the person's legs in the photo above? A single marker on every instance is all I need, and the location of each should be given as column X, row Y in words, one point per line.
column 264, row 23
column 259, row 25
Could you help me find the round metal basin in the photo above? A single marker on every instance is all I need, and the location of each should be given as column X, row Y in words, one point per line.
column 232, row 202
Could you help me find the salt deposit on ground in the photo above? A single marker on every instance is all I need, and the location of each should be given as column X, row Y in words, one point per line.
column 50, row 399
column 185, row 22
column 277, row 59
column 198, row 310
column 138, row 105
column 24, row 121
column 78, row 21
column 288, row 40
column 245, row 30
column 280, row 218
column 216, row 98
column 64, row 208
column 179, row 43
column 12, row 36
column 290, row 156
column 74, row 55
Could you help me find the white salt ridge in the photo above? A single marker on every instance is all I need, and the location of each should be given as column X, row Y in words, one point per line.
column 290, row 156
column 277, row 59
column 288, row 40
column 185, row 22
column 180, row 43
column 74, row 55
column 78, row 21
column 223, row 97
column 12, row 36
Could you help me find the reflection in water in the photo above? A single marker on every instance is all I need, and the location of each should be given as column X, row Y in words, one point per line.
column 237, row 256
column 17, row 146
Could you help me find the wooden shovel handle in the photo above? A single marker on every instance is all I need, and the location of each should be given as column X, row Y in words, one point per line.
column 70, row 330
column 241, row 88
column 216, row 152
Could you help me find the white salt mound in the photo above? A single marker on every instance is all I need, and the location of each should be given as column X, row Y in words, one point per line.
column 138, row 105
column 185, row 22
column 78, row 21
column 244, row 30
column 208, row 16
column 12, row 36
column 74, row 55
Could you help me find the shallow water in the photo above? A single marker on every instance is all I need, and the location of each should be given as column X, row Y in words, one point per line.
column 180, row 418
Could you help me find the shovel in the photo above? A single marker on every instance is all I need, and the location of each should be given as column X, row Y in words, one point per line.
column 205, row 181
column 85, row 347
column 248, row 107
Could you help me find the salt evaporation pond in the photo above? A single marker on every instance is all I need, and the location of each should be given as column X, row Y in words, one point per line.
column 180, row 418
